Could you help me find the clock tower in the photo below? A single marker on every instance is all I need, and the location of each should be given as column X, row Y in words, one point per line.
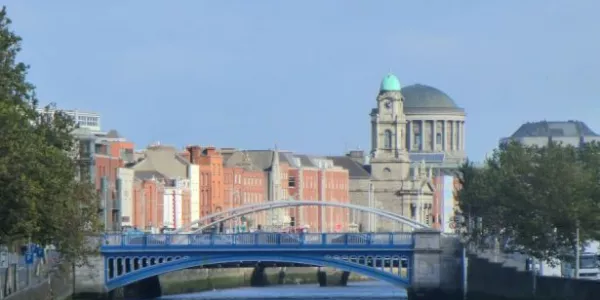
column 389, row 157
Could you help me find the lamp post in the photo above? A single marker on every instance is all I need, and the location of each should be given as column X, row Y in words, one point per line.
column 370, row 204
column 577, row 250
column 234, row 193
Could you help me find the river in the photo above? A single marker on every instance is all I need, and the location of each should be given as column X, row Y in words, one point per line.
column 354, row 291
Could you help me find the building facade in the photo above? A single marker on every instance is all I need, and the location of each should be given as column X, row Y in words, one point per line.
column 417, row 138
column 290, row 176
column 161, row 189
column 84, row 119
column 244, row 184
column 437, row 137
column 100, row 167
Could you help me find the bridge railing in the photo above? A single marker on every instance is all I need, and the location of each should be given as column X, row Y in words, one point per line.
column 259, row 240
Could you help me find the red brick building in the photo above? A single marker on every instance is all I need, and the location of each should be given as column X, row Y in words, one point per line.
column 210, row 162
column 289, row 176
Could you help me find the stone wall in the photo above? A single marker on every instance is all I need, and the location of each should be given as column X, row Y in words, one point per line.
column 490, row 280
column 89, row 279
column 56, row 286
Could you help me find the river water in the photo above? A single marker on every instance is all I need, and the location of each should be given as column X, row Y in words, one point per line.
column 354, row 291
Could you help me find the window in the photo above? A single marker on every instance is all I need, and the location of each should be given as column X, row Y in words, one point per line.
column 387, row 173
column 438, row 138
column 417, row 144
column 388, row 139
column 291, row 181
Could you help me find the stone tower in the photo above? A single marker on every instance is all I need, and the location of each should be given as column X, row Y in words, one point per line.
column 389, row 157
column 392, row 189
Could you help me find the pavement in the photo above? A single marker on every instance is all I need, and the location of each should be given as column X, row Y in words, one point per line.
column 22, row 267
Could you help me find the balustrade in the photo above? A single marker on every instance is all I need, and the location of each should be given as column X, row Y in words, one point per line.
column 258, row 240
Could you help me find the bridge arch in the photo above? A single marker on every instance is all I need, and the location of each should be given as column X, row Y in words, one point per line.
column 198, row 261
column 253, row 208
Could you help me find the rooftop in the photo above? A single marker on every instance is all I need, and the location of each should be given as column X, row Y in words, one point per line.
column 424, row 97
column 554, row 129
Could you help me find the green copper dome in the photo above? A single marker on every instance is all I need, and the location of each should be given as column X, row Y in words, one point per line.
column 390, row 83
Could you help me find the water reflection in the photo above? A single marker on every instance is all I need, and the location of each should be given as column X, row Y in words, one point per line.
column 354, row 291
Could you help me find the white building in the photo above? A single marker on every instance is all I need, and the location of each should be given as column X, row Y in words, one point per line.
column 85, row 119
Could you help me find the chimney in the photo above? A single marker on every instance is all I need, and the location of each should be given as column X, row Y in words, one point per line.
column 210, row 150
column 195, row 152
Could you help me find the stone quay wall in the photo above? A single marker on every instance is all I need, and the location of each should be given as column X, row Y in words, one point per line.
column 492, row 280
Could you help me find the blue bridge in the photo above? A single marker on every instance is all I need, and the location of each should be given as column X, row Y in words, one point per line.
column 383, row 256
column 416, row 259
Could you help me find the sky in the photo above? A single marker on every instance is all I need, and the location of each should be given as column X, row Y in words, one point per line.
column 303, row 75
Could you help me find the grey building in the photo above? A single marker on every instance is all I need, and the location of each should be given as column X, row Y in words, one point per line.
column 416, row 132
column 541, row 133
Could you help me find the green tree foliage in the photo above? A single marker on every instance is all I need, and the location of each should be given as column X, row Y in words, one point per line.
column 533, row 198
column 40, row 197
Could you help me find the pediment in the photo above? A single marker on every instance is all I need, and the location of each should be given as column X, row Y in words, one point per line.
column 415, row 186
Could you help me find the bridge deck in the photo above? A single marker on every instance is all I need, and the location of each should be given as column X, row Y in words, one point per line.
column 257, row 241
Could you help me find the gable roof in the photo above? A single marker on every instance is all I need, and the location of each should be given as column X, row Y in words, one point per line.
column 355, row 170
column 163, row 160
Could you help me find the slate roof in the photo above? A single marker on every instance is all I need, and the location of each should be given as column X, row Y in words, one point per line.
column 261, row 159
column 355, row 170
column 554, row 128
column 144, row 175
column 162, row 159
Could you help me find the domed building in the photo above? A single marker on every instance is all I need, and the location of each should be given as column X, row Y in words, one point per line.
column 417, row 134
column 436, row 127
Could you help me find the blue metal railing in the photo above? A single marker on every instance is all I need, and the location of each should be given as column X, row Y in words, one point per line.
column 250, row 240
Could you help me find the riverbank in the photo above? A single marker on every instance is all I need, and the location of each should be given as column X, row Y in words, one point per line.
column 195, row 281
column 201, row 280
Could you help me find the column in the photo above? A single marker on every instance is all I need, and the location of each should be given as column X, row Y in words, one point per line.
column 434, row 135
column 462, row 134
column 450, row 137
column 409, row 136
column 455, row 135
column 459, row 132
column 397, row 139
column 444, row 134
column 421, row 134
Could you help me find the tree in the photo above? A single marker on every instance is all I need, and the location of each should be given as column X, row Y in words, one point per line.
column 40, row 197
column 532, row 198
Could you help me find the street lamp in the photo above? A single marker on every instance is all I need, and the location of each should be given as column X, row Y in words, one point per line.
column 370, row 204
column 234, row 193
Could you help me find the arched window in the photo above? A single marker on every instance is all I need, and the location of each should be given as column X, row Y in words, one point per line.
column 388, row 139
column 387, row 173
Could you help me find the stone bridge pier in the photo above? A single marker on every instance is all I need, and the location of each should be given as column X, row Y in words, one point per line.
column 437, row 267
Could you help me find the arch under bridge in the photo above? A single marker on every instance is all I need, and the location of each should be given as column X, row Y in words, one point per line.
column 223, row 216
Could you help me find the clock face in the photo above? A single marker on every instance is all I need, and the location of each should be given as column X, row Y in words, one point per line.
column 388, row 104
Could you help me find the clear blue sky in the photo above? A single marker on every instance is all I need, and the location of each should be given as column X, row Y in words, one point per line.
column 304, row 74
